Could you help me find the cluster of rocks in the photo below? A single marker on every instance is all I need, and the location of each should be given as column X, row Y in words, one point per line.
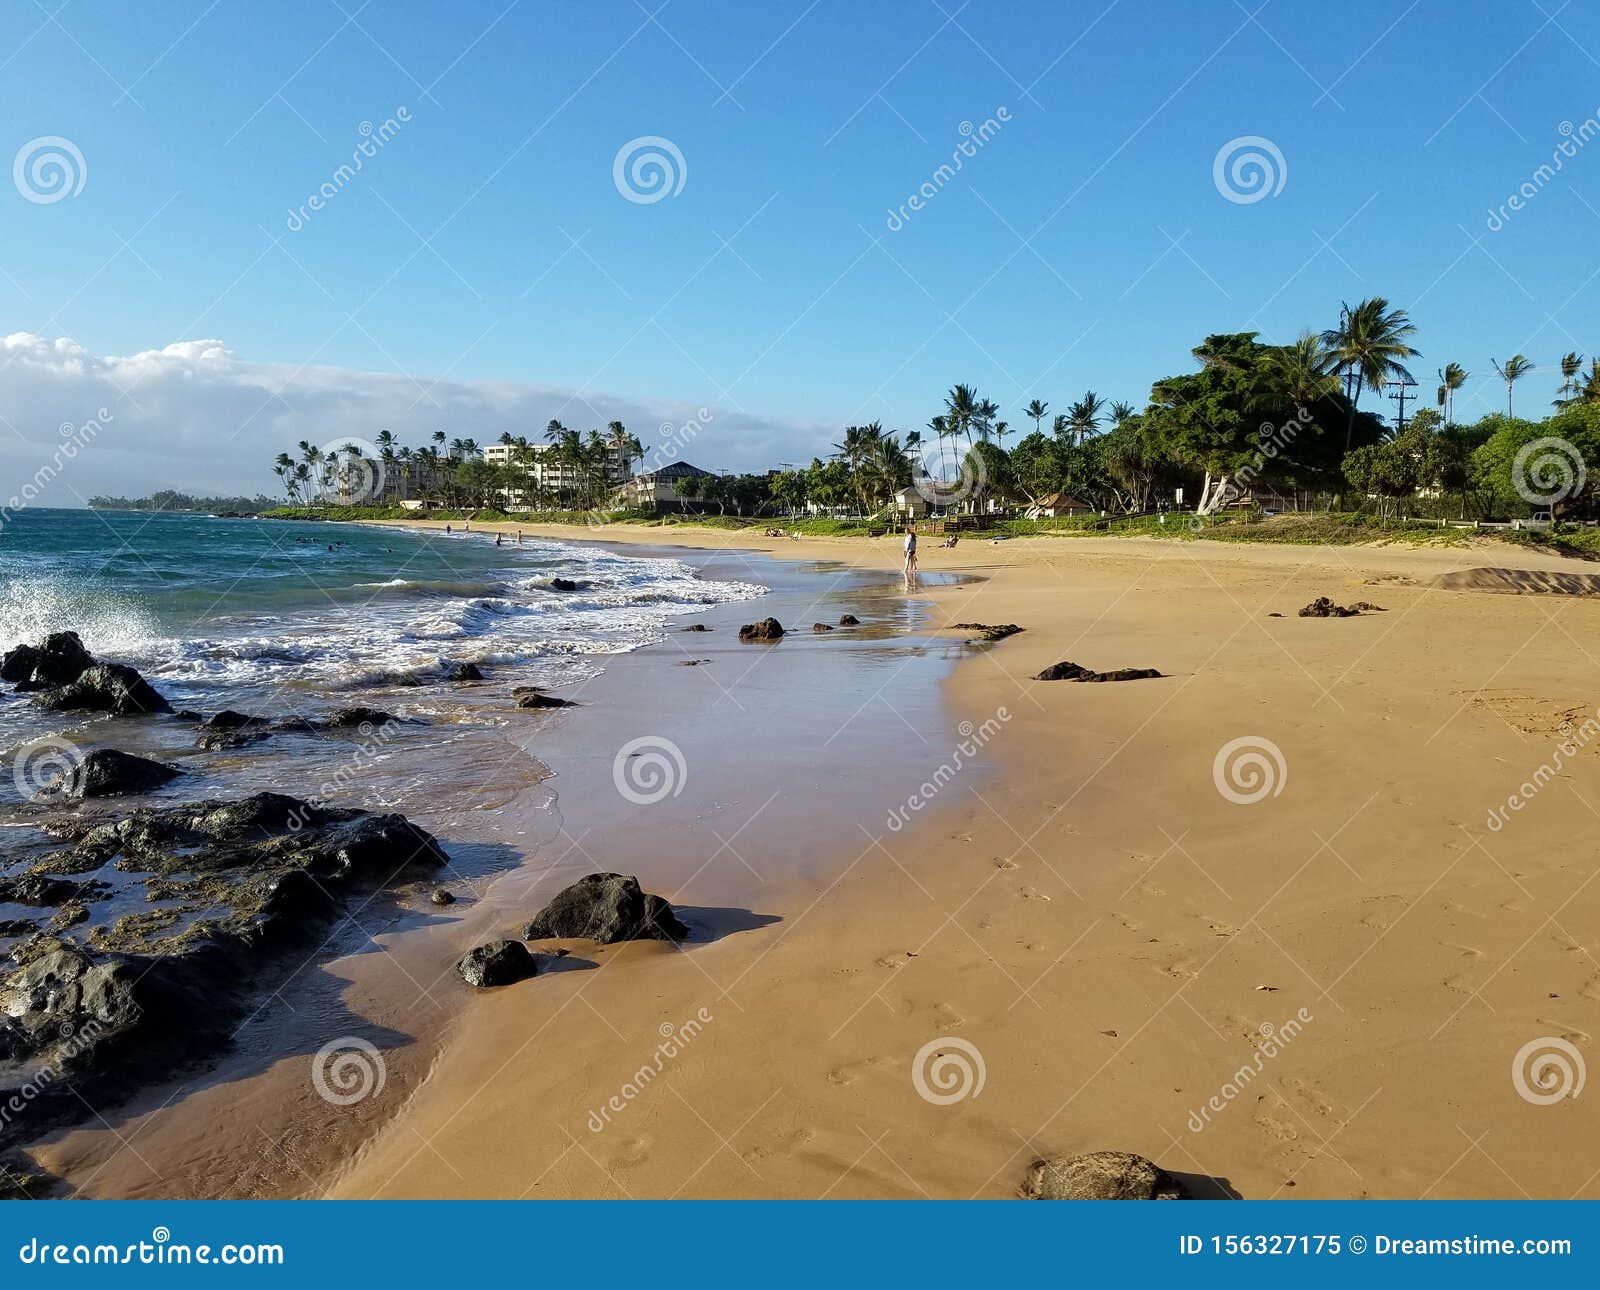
column 989, row 631
column 606, row 908
column 1323, row 607
column 1068, row 671
column 232, row 886
column 65, row 677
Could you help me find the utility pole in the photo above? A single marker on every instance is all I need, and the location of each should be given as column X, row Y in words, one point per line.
column 1400, row 396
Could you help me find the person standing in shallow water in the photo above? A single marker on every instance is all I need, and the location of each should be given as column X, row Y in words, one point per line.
column 911, row 555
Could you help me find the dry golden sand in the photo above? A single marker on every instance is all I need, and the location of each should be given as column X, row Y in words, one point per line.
column 1107, row 930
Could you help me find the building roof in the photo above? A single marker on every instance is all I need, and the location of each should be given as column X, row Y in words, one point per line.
column 672, row 470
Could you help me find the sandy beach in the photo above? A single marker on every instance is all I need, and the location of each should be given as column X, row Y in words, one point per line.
column 1307, row 974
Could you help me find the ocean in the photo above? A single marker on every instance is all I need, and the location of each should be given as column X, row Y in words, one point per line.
column 217, row 611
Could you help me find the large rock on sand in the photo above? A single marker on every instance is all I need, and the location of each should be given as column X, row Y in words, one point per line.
column 56, row 660
column 1070, row 671
column 1101, row 1175
column 106, row 772
column 497, row 963
column 606, row 907
column 105, row 687
column 768, row 629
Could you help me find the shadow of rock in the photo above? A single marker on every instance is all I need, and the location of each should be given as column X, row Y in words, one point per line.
column 708, row 923
column 1206, row 1186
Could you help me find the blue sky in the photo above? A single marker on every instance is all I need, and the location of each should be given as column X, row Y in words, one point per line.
column 486, row 254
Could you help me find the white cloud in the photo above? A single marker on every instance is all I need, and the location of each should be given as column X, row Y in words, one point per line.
column 196, row 417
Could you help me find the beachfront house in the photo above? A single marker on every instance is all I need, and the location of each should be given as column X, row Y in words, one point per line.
column 1058, row 505
column 656, row 490
column 911, row 504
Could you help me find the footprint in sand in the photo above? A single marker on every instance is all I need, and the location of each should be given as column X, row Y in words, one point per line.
column 1571, row 1034
column 1032, row 893
column 1310, row 1098
column 947, row 1018
column 630, row 1152
column 1183, row 967
column 1590, row 989
column 1131, row 923
column 1275, row 1118
column 850, row 1072
column 1006, row 864
column 1218, row 926
column 1464, row 982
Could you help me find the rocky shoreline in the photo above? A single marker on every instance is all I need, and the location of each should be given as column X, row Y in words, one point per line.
column 144, row 933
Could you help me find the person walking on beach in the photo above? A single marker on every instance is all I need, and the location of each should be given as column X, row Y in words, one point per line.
column 911, row 555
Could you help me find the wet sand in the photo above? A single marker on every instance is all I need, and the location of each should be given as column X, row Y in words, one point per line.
column 1112, row 936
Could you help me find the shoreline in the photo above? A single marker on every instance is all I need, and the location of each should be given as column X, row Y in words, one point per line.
column 401, row 989
column 1117, row 941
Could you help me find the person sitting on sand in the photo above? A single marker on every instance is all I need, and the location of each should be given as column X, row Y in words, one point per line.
column 911, row 554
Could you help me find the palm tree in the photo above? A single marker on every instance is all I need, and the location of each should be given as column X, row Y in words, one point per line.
column 1452, row 376
column 1121, row 412
column 1512, row 371
column 1571, row 363
column 1369, row 344
column 1036, row 410
column 622, row 444
column 1299, row 374
column 283, row 468
column 1083, row 417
